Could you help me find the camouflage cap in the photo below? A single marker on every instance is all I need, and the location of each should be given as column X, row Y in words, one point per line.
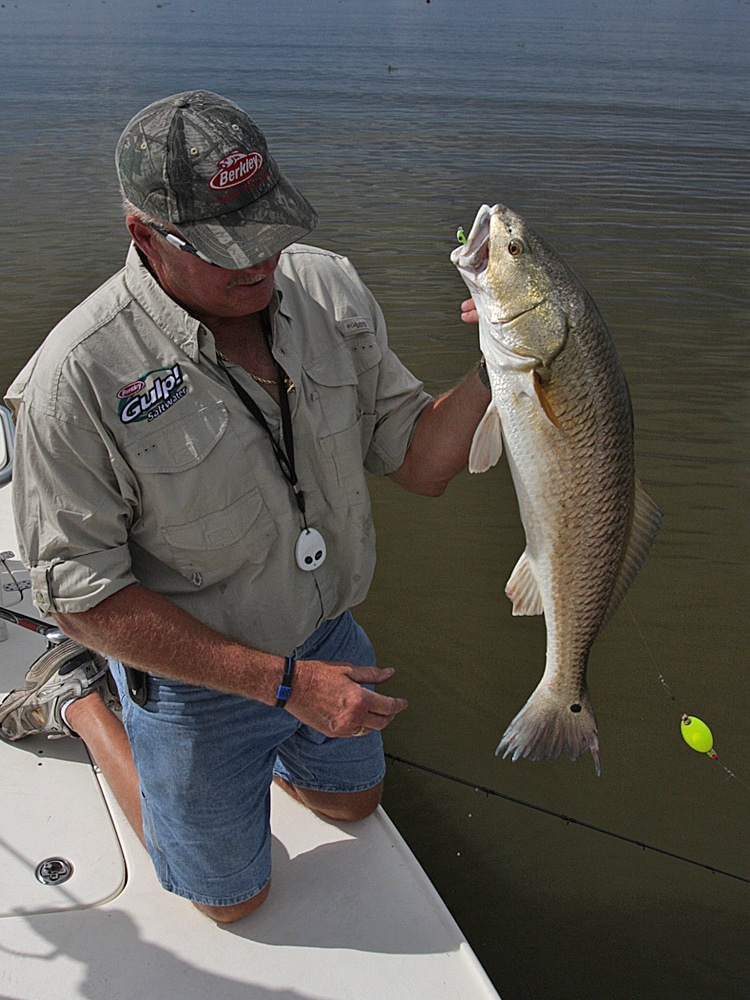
column 196, row 160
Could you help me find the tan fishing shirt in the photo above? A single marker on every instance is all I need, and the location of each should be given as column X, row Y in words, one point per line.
column 136, row 461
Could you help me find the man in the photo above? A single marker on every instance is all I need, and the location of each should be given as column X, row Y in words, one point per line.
column 191, row 502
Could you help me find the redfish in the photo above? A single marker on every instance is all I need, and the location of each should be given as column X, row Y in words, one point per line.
column 561, row 409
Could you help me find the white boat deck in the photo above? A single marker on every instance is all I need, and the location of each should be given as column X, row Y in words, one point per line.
column 351, row 913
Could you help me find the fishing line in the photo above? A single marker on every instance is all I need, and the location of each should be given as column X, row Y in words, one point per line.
column 686, row 720
column 569, row 820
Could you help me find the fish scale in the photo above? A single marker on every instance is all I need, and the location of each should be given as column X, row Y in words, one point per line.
column 561, row 411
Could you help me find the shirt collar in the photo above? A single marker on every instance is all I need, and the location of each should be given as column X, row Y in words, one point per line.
column 185, row 330
column 170, row 317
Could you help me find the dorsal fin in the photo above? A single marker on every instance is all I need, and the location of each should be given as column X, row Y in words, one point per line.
column 643, row 527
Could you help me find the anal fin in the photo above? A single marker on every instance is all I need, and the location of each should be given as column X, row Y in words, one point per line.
column 522, row 588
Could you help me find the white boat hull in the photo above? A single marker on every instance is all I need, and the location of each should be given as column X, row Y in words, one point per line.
column 351, row 913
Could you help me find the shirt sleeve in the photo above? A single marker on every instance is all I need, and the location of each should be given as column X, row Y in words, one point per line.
column 401, row 400
column 400, row 395
column 73, row 509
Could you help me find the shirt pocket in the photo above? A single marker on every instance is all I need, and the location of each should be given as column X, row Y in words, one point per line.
column 364, row 351
column 213, row 547
column 180, row 444
column 354, row 362
column 347, row 418
column 347, row 361
column 344, row 452
column 202, row 511
column 365, row 355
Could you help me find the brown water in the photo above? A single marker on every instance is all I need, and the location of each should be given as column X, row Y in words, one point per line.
column 621, row 132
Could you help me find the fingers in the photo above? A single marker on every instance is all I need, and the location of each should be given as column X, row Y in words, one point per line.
column 469, row 312
column 376, row 711
column 331, row 698
column 381, row 709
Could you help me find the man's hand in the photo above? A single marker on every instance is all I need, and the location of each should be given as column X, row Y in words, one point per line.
column 469, row 312
column 329, row 697
column 149, row 632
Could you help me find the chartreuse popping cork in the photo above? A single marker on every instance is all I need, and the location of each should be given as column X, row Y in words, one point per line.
column 697, row 735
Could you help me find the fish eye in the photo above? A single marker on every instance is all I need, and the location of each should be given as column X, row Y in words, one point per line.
column 516, row 248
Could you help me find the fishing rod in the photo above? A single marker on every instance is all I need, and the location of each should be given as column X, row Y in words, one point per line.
column 569, row 820
column 49, row 630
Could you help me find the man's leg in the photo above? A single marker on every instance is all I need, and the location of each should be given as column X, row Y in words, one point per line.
column 107, row 742
column 340, row 779
column 63, row 696
column 344, row 807
column 205, row 763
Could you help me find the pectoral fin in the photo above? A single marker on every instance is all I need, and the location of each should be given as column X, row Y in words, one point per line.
column 523, row 589
column 541, row 395
column 487, row 444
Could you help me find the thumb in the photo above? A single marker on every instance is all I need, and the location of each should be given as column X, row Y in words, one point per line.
column 370, row 675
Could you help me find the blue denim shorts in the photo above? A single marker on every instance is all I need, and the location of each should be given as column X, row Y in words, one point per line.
column 205, row 762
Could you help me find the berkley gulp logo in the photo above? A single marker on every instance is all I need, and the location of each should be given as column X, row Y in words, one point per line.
column 164, row 386
column 234, row 169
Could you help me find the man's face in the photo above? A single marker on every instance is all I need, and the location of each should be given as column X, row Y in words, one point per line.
column 205, row 291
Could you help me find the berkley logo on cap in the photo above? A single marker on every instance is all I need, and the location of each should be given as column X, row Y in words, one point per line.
column 234, row 169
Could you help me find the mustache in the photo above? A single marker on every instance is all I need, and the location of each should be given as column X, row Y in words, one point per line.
column 249, row 279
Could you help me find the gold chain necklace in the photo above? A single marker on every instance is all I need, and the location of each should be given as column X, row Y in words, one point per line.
column 288, row 384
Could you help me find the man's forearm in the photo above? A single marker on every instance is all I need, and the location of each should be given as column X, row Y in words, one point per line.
column 145, row 630
column 442, row 438
column 149, row 632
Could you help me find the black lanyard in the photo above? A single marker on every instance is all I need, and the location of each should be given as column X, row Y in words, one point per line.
column 285, row 459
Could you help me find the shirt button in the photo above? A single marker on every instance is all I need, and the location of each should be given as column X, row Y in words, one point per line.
column 197, row 579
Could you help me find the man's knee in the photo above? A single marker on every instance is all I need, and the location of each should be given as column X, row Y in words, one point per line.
column 228, row 914
column 344, row 807
column 354, row 806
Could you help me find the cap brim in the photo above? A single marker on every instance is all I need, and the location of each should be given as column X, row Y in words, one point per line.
column 255, row 233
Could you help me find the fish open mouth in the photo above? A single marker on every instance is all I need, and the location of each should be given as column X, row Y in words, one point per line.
column 473, row 257
column 472, row 260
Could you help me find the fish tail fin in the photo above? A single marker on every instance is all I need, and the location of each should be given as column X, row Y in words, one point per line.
column 550, row 724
